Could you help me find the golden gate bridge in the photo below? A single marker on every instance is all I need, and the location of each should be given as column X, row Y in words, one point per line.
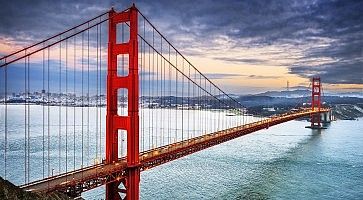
column 115, row 104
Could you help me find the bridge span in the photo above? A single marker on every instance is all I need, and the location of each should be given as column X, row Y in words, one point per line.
column 75, row 182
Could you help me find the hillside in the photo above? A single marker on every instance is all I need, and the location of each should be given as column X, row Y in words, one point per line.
column 12, row 192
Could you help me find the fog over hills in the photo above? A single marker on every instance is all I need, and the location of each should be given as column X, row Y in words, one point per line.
column 348, row 105
column 305, row 92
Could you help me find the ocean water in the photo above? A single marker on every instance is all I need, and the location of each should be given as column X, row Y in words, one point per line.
column 286, row 161
column 42, row 141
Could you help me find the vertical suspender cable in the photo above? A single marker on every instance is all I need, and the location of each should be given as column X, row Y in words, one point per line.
column 194, row 104
column 189, row 96
column 152, row 118
column 60, row 104
column 88, row 99
column 74, row 102
column 205, row 108
column 25, row 118
column 219, row 112
column 97, row 98
column 143, row 109
column 157, row 100
column 28, row 119
column 150, row 101
column 162, row 72
column 6, row 120
column 66, row 95
column 182, row 103
column 176, row 98
column 82, row 96
column 48, row 114
column 170, row 100
column 165, row 99
column 43, row 108
column 100, row 60
column 200, row 105
column 210, row 129
column 206, row 105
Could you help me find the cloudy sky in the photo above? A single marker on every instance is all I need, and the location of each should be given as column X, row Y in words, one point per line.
column 244, row 46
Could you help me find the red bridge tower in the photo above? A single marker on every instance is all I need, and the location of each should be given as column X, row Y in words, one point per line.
column 316, row 102
column 114, row 122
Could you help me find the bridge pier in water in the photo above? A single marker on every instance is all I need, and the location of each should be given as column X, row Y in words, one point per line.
column 327, row 117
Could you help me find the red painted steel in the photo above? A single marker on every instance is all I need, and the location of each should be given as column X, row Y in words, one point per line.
column 114, row 122
column 316, row 102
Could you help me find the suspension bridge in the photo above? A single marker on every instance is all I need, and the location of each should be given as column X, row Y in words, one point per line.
column 109, row 98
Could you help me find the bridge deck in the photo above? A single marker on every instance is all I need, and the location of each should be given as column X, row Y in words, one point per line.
column 75, row 182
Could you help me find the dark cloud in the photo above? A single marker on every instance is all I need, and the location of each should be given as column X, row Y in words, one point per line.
column 334, row 73
column 221, row 75
column 263, row 77
column 241, row 60
column 320, row 29
column 229, row 76
column 341, row 23
column 34, row 20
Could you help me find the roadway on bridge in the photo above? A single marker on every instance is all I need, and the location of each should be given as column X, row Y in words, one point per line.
column 90, row 177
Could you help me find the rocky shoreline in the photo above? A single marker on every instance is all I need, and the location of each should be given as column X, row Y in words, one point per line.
column 9, row 191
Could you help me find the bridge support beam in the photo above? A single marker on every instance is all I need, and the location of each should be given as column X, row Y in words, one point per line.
column 114, row 122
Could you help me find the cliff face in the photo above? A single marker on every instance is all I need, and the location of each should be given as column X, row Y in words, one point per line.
column 10, row 191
